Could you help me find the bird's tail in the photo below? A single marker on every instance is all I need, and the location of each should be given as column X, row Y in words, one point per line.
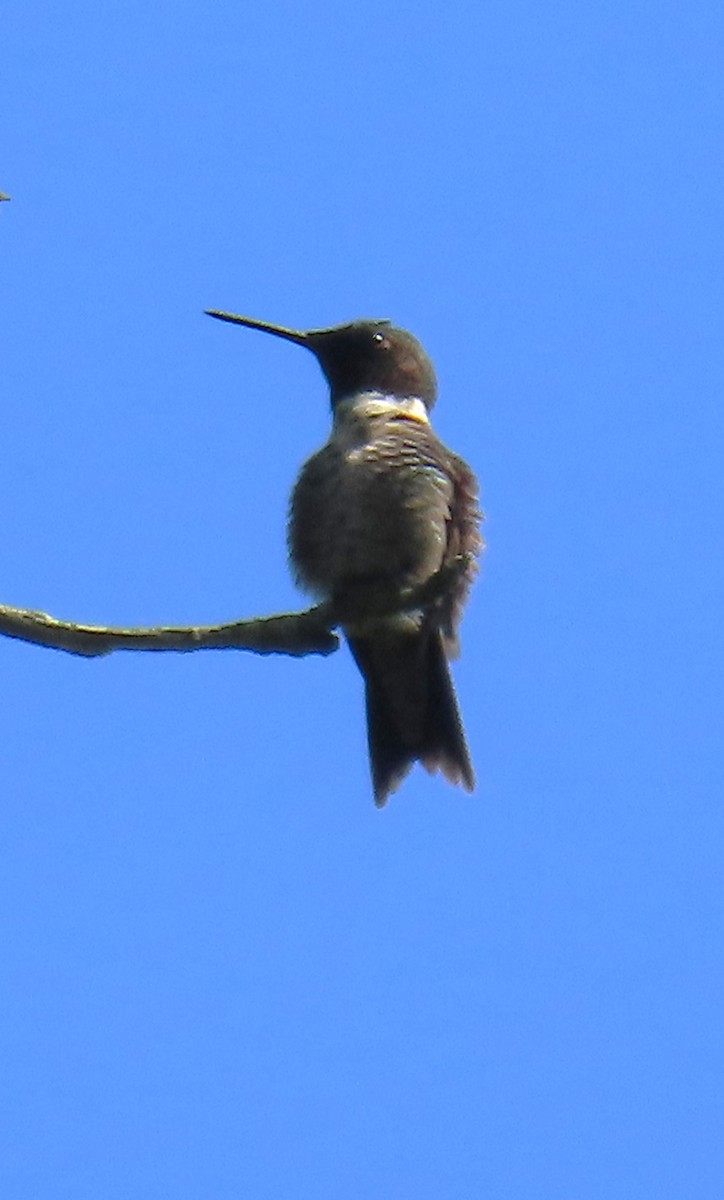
column 412, row 710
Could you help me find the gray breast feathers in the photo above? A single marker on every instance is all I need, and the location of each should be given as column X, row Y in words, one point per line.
column 387, row 507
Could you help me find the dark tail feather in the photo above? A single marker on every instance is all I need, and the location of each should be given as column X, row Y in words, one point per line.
column 412, row 711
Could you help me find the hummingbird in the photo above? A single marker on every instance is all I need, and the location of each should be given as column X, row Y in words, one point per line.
column 379, row 510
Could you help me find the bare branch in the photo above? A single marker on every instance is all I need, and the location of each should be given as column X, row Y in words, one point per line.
column 289, row 633
column 298, row 634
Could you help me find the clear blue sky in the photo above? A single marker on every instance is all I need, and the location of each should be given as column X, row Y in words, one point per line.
column 223, row 973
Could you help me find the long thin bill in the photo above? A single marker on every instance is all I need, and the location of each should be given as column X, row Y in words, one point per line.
column 291, row 335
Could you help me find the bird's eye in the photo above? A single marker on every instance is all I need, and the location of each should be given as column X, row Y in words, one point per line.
column 380, row 339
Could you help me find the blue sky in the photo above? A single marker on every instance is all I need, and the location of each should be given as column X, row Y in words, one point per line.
column 224, row 973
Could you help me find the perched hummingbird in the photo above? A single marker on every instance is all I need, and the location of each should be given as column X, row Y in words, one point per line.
column 377, row 511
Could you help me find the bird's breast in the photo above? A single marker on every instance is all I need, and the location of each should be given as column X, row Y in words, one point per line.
column 372, row 505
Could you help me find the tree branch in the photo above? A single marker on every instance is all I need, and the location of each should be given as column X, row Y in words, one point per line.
column 298, row 634
column 289, row 633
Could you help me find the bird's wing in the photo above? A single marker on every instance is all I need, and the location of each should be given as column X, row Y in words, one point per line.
column 464, row 538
